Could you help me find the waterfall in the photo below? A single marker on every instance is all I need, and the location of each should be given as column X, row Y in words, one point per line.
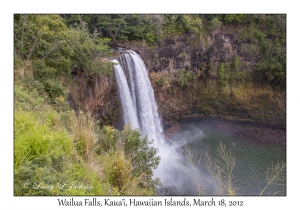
column 140, row 111
column 137, row 97
column 129, row 111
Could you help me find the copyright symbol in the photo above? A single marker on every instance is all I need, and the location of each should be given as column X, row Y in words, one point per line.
column 26, row 185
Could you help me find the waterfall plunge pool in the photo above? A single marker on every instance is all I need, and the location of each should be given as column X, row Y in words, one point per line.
column 200, row 138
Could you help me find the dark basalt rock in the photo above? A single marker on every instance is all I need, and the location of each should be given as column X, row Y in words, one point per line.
column 193, row 54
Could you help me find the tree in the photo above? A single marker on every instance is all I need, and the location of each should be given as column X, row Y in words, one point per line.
column 112, row 24
column 88, row 50
column 216, row 24
column 50, row 49
column 42, row 37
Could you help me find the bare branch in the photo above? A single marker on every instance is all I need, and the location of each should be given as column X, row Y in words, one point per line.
column 31, row 49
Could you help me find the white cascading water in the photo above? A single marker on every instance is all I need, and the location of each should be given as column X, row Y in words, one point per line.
column 137, row 97
column 140, row 110
column 130, row 115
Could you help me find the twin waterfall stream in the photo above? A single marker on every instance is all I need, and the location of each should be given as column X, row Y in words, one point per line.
column 140, row 109
column 137, row 97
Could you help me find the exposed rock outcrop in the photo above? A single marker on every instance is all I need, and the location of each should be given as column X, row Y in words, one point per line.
column 201, row 97
column 190, row 52
column 203, row 55
column 96, row 95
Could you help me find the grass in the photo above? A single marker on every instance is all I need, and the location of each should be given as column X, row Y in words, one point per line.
column 84, row 136
column 220, row 167
column 193, row 170
column 275, row 175
column 35, row 138
column 52, row 145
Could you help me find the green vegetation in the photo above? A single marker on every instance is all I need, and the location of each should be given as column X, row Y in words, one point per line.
column 122, row 27
column 161, row 81
column 260, row 39
column 221, row 75
column 52, row 148
column 141, row 157
column 177, row 24
column 184, row 77
column 215, row 24
column 45, row 49
column 58, row 152
column 150, row 28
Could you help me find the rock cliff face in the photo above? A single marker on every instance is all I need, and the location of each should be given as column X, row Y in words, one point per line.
column 202, row 97
column 191, row 52
column 97, row 96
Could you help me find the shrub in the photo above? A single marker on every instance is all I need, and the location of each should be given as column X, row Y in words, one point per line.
column 161, row 82
column 222, row 79
column 35, row 177
column 54, row 89
column 234, row 18
column 236, row 63
column 184, row 77
column 42, row 71
column 271, row 71
column 216, row 24
column 136, row 148
column 27, row 100
column 83, row 130
column 144, row 156
column 108, row 139
column 118, row 169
